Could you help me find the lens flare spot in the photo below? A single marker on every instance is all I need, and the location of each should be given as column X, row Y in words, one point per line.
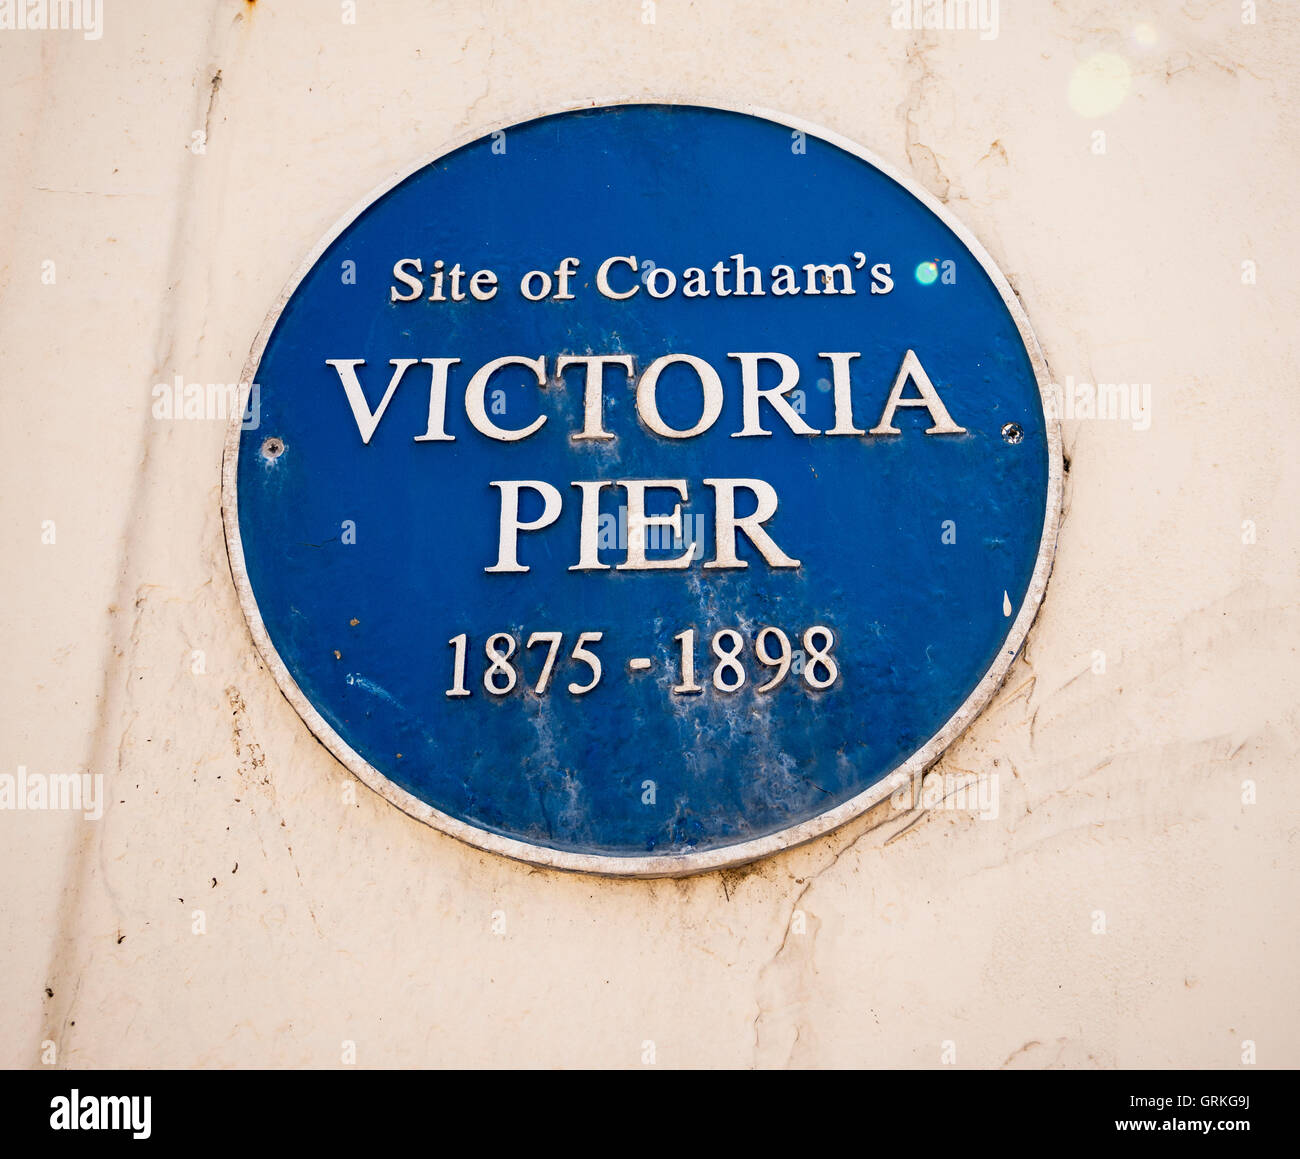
column 927, row 273
column 1145, row 34
column 1099, row 85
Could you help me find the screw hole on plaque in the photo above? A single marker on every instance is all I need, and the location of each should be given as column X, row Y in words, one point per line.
column 1013, row 433
column 272, row 449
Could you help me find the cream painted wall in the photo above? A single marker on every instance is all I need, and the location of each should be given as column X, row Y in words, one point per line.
column 1120, row 791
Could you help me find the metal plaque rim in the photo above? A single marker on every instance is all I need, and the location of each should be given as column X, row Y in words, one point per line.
column 672, row 864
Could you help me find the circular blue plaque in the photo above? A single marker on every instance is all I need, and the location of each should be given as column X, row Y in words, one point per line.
column 643, row 489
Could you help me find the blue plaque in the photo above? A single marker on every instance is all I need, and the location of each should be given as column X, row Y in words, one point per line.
column 643, row 489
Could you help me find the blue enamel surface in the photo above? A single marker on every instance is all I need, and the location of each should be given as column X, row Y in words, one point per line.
column 917, row 621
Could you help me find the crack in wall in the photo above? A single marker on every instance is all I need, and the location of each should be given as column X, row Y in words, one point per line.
column 108, row 739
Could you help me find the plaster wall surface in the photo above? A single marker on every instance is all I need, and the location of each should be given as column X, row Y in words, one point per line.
column 1157, row 697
